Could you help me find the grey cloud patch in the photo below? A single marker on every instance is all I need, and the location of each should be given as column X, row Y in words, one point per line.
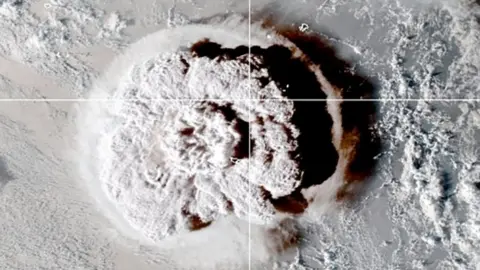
column 5, row 174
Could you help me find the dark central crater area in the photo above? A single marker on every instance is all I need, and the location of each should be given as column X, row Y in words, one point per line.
column 246, row 144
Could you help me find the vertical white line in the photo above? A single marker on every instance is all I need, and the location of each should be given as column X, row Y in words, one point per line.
column 249, row 133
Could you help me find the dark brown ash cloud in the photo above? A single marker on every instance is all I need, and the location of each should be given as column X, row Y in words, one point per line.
column 316, row 155
column 358, row 118
column 311, row 118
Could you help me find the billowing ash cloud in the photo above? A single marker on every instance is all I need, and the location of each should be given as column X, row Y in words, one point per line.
column 200, row 126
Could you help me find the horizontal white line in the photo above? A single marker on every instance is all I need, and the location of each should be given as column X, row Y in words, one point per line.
column 246, row 99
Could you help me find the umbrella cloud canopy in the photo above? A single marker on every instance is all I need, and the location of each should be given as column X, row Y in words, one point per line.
column 202, row 126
